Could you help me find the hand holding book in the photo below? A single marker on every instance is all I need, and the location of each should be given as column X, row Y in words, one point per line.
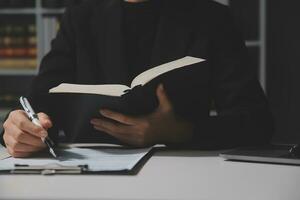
column 162, row 126
column 185, row 82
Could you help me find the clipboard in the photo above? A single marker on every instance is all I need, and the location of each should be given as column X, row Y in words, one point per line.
column 49, row 169
column 78, row 161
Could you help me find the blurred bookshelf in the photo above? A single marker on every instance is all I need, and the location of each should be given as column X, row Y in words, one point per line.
column 26, row 30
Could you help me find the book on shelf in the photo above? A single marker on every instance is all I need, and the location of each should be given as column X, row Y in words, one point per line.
column 18, row 45
column 18, row 63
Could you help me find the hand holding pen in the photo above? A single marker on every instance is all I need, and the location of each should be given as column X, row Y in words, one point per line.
column 21, row 136
column 35, row 119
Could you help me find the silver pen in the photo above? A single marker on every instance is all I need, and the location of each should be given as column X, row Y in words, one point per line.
column 34, row 118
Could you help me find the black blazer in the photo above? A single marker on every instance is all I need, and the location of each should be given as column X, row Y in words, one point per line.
column 88, row 49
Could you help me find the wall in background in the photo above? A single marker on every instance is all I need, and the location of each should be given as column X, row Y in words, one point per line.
column 282, row 60
column 284, row 69
column 26, row 29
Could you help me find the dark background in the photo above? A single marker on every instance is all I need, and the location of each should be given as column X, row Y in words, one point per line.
column 283, row 65
column 283, row 56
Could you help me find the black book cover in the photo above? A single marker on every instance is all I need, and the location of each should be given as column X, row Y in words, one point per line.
column 187, row 89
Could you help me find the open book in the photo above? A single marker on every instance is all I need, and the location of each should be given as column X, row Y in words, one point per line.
column 118, row 90
column 185, row 81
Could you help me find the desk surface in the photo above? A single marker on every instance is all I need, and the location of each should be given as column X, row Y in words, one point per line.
column 166, row 175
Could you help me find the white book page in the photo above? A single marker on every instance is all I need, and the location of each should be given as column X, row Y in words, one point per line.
column 107, row 89
column 118, row 90
column 102, row 159
column 152, row 73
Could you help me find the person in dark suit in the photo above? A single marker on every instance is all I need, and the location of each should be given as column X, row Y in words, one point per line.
column 111, row 41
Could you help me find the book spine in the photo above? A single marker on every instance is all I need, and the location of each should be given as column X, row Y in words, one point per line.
column 18, row 45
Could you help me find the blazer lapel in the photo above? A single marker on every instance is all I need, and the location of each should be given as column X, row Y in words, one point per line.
column 108, row 33
column 173, row 33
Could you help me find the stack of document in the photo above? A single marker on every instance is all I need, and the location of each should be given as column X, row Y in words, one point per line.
column 95, row 159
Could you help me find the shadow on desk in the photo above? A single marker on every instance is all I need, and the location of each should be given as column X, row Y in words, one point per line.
column 159, row 150
column 163, row 151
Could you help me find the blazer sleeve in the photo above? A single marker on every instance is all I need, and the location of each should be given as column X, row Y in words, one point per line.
column 56, row 67
column 243, row 116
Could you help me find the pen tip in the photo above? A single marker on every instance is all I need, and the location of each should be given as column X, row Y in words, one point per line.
column 53, row 153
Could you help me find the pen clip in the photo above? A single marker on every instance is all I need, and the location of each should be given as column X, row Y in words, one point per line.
column 27, row 107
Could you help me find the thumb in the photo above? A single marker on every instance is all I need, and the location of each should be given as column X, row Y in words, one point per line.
column 45, row 120
column 164, row 102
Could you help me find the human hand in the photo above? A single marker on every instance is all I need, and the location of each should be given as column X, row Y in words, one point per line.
column 21, row 136
column 162, row 126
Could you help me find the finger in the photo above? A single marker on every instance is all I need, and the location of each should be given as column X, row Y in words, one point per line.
column 164, row 102
column 124, row 119
column 45, row 120
column 20, row 147
column 17, row 154
column 124, row 133
column 22, row 122
column 25, row 138
column 121, row 137
column 113, row 127
column 108, row 131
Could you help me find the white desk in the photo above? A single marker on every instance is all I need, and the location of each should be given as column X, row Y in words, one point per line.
column 167, row 175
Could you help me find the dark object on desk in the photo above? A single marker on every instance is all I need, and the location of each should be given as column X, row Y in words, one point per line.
column 280, row 154
column 295, row 151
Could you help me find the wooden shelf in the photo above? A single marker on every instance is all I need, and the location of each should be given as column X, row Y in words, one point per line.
column 253, row 43
column 32, row 11
column 12, row 72
column 39, row 13
column 52, row 11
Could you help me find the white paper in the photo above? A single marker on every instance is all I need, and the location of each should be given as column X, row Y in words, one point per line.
column 102, row 159
column 3, row 153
